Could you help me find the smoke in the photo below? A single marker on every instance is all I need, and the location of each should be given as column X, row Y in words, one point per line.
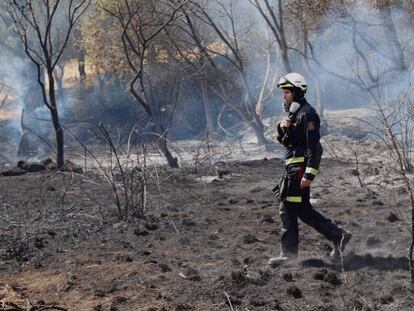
column 363, row 50
column 348, row 46
column 351, row 49
column 12, row 70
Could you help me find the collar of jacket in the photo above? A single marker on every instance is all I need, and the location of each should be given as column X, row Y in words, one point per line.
column 302, row 102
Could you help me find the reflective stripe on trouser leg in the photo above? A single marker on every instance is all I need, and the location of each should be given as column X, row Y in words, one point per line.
column 295, row 192
column 294, row 199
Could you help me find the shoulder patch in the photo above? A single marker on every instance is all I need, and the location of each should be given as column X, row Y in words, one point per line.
column 311, row 126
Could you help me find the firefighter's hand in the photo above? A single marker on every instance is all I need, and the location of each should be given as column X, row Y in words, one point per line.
column 285, row 123
column 305, row 183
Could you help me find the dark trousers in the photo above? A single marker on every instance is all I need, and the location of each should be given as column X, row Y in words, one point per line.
column 297, row 205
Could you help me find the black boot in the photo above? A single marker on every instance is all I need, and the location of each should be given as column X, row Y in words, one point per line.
column 339, row 247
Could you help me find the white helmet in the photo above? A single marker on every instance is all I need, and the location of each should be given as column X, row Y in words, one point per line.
column 293, row 80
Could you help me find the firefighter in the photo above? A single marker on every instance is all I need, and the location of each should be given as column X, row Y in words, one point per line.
column 299, row 134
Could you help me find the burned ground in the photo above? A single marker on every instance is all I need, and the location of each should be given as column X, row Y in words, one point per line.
column 203, row 245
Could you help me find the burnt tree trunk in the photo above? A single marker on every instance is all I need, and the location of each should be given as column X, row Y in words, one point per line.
column 55, row 120
column 58, row 76
column 258, row 129
column 158, row 135
column 81, row 66
column 161, row 141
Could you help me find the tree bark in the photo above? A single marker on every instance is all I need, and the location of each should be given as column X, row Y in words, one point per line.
column 258, row 129
column 81, row 66
column 59, row 80
column 55, row 120
column 162, row 144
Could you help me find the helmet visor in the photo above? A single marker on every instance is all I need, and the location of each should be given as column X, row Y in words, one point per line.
column 284, row 83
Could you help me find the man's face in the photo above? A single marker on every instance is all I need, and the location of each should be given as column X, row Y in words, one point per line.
column 287, row 96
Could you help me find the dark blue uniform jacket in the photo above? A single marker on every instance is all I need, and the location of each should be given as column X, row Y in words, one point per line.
column 301, row 140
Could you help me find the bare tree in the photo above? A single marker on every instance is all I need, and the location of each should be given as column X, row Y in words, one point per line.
column 274, row 18
column 223, row 57
column 372, row 36
column 44, row 28
column 395, row 127
column 141, row 24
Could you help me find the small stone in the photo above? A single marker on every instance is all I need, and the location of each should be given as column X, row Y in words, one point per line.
column 165, row 268
column 125, row 244
column 258, row 302
column 31, row 167
column 184, row 240
column 239, row 277
column 373, row 240
column 120, row 299
column 249, row 239
column 235, row 262
column 151, row 226
column 294, row 292
column 319, row 275
column 234, row 301
column 213, row 237
column 333, row 278
column 257, row 189
column 139, row 232
column 49, row 164
column 316, row 195
column 233, row 201
column 192, row 274
column 288, row 277
column 46, row 161
column 124, row 258
column 392, row 217
column 267, row 219
column 188, row 222
column 223, row 172
column 51, row 232
column 69, row 166
column 386, row 299
column 16, row 171
column 183, row 307
column 38, row 243
column 354, row 172
column 265, row 275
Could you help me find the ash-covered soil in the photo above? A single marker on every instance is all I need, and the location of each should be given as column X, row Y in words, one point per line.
column 203, row 243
